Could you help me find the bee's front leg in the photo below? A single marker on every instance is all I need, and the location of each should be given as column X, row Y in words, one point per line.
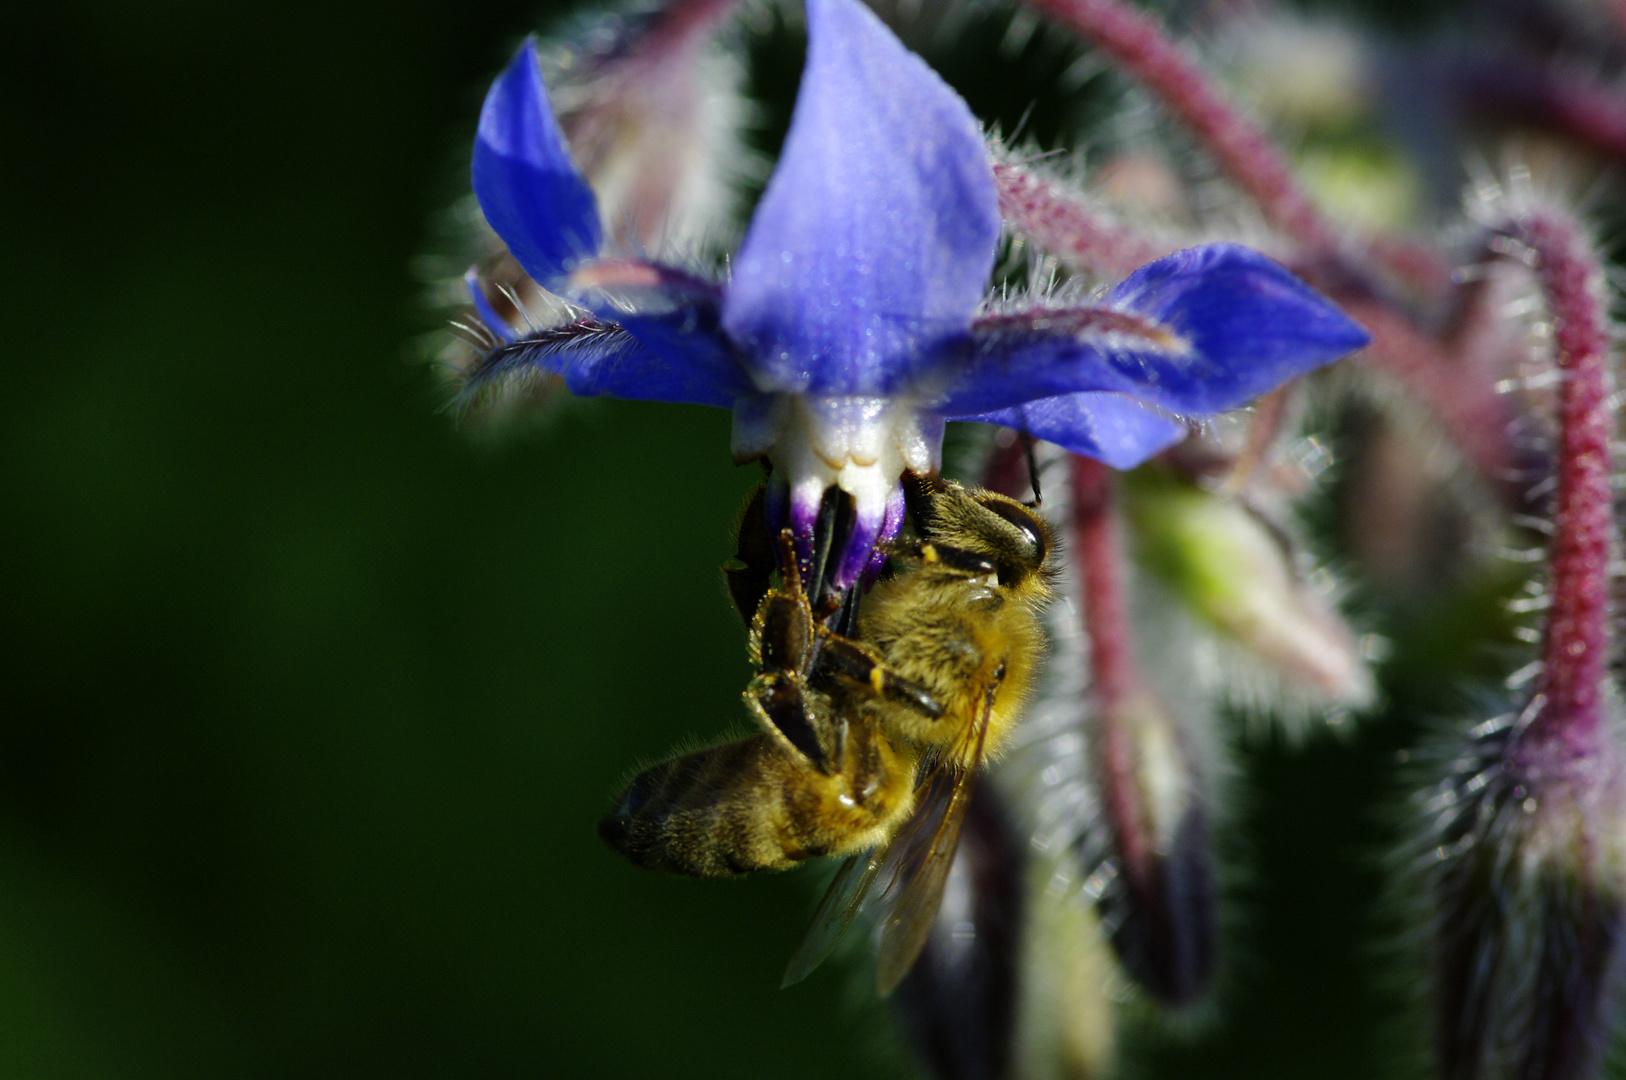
column 782, row 633
column 935, row 553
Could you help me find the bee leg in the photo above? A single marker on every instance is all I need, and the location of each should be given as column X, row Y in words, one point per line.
column 782, row 633
column 799, row 720
column 860, row 663
column 781, row 637
column 936, row 554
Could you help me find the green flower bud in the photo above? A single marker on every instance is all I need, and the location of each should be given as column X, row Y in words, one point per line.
column 1235, row 573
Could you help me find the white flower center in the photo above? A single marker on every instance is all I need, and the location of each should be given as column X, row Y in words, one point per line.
column 862, row 445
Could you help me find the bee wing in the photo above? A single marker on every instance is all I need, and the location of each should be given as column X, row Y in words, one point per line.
column 841, row 903
column 916, row 889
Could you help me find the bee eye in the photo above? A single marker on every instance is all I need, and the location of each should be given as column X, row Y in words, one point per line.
column 1025, row 523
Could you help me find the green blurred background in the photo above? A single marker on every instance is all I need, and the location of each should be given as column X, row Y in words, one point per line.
column 312, row 700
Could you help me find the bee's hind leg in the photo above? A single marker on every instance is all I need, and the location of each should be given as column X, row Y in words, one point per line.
column 800, row 719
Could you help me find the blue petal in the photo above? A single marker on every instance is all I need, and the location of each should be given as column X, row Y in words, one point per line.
column 666, row 360
column 677, row 316
column 693, row 359
column 1251, row 323
column 528, row 188
column 1197, row 332
column 1111, row 428
column 877, row 231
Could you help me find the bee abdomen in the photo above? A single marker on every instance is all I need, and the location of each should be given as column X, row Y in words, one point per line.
column 716, row 812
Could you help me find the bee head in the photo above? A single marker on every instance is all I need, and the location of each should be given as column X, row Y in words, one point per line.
column 1011, row 537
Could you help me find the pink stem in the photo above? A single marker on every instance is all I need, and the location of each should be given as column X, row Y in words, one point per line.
column 682, row 24
column 1519, row 90
column 1576, row 641
column 1114, row 675
column 1068, row 227
column 1099, row 559
column 1137, row 42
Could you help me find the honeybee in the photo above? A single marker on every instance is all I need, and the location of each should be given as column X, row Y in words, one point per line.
column 870, row 741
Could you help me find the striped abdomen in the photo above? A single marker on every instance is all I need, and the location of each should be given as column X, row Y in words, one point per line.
column 754, row 805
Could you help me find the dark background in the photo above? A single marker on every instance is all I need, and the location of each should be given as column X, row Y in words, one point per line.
column 311, row 700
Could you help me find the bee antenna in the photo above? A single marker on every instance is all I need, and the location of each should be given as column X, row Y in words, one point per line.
column 1033, row 469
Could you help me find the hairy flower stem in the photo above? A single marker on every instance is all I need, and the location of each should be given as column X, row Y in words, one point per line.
column 1162, row 909
column 1575, row 643
column 1138, row 43
column 1068, row 227
column 1529, row 843
column 1520, row 91
column 1113, row 671
column 1469, row 412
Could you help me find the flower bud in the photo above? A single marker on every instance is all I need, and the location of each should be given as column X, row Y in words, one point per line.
column 1067, row 1029
column 1527, row 887
column 1155, row 887
column 1236, row 575
column 652, row 111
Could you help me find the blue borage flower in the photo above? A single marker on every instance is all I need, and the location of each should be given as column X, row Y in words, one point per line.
column 849, row 330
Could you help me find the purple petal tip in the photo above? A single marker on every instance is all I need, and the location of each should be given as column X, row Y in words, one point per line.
column 1249, row 324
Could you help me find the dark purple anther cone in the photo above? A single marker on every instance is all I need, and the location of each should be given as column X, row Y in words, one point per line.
column 958, row 1006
